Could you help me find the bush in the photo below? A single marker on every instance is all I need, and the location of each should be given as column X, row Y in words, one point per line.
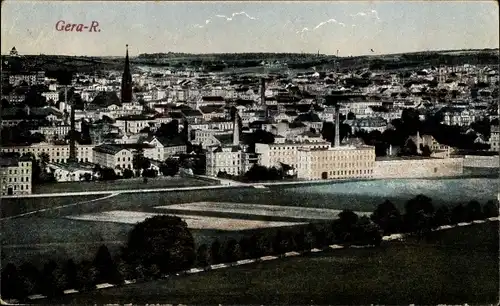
column 11, row 283
column 29, row 280
column 473, row 211
column 170, row 167
column 490, row 209
column 149, row 173
column 162, row 240
column 108, row 174
column 107, row 271
column 263, row 245
column 282, row 242
column 245, row 247
column 70, row 270
column 127, row 173
column 366, row 232
column 388, row 217
column 442, row 216
column 203, row 256
column 54, row 280
column 310, row 237
column 87, row 177
column 458, row 214
column 86, row 276
column 231, row 251
column 215, row 252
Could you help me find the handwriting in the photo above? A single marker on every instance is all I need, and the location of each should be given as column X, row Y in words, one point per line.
column 63, row 26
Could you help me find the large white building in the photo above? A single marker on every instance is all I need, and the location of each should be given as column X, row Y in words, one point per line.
column 163, row 148
column 226, row 158
column 207, row 138
column 336, row 162
column 56, row 153
column 116, row 157
column 51, row 95
column 31, row 78
column 274, row 154
column 15, row 175
column 133, row 124
column 71, row 172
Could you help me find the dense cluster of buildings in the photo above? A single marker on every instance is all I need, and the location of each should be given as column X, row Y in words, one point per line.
column 120, row 115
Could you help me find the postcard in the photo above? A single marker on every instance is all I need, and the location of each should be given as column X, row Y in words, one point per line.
column 227, row 153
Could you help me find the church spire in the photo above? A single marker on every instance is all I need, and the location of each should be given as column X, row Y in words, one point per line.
column 126, row 93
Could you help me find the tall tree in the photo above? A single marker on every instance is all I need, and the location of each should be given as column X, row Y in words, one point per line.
column 53, row 279
column 162, row 240
column 490, row 209
column 11, row 283
column 215, row 252
column 29, row 278
column 388, row 217
column 473, row 211
column 203, row 256
column 106, row 267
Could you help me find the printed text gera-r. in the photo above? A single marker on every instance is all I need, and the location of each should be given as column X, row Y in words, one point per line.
column 63, row 26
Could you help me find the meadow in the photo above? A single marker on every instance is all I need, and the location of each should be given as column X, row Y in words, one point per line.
column 51, row 233
column 454, row 266
column 123, row 184
column 256, row 209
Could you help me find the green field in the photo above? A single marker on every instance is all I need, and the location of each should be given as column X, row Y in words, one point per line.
column 17, row 206
column 49, row 234
column 123, row 184
column 456, row 266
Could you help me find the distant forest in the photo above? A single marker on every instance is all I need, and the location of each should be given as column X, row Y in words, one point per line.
column 222, row 61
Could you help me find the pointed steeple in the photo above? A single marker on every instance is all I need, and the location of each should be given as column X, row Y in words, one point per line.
column 126, row 93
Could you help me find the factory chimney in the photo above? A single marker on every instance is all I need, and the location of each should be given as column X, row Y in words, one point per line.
column 337, row 126
column 236, row 130
column 263, row 96
column 418, row 143
column 72, row 147
column 263, row 91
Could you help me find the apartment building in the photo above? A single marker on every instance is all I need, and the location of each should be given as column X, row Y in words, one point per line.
column 494, row 140
column 57, row 131
column 71, row 172
column 116, row 157
column 341, row 162
column 57, row 153
column 272, row 155
column 31, row 78
column 50, row 95
column 207, row 138
column 367, row 124
column 15, row 174
column 163, row 148
column 134, row 123
column 228, row 159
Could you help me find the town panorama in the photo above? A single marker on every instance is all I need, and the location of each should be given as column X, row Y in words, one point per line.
column 249, row 178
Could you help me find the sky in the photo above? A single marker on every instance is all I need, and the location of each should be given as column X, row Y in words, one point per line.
column 353, row 27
